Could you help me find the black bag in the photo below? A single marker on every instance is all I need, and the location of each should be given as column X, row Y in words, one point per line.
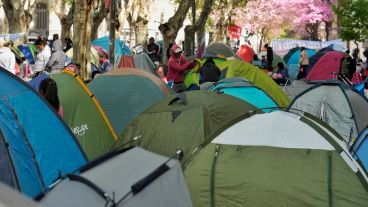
column 209, row 72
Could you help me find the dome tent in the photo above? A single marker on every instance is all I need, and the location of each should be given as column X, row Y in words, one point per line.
column 337, row 104
column 243, row 89
column 36, row 146
column 184, row 121
column 292, row 160
column 131, row 178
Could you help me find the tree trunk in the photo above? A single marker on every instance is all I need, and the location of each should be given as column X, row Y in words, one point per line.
column 98, row 17
column 328, row 30
column 137, row 18
column 170, row 29
column 82, row 36
column 190, row 30
column 200, row 36
column 18, row 18
column 66, row 20
column 312, row 30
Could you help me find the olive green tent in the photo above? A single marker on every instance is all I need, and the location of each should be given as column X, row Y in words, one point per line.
column 184, row 121
column 126, row 92
column 236, row 68
column 83, row 114
column 276, row 159
column 276, row 59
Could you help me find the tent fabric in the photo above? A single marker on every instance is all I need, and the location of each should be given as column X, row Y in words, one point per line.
column 246, row 53
column 360, row 148
column 36, row 136
column 35, row 82
column 324, row 66
column 236, row 68
column 166, row 190
column 360, row 87
column 126, row 62
column 303, row 165
column 276, row 59
column 293, row 56
column 243, row 89
column 29, row 52
column 94, row 57
column 338, row 105
column 84, row 115
column 121, row 49
column 143, row 62
column 184, row 121
column 219, row 49
column 11, row 198
column 124, row 93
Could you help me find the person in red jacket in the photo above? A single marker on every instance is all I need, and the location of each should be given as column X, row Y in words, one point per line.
column 177, row 67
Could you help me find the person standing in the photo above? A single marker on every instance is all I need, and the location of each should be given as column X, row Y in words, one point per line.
column 153, row 50
column 177, row 66
column 7, row 57
column 105, row 63
column 42, row 57
column 304, row 62
column 269, row 58
column 57, row 60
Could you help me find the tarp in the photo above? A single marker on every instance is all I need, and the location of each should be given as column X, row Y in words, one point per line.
column 324, row 66
column 246, row 53
column 236, row 68
column 29, row 52
column 134, row 178
column 337, row 104
column 276, row 159
column 184, row 121
column 124, row 93
column 282, row 46
column 143, row 62
column 84, row 115
column 40, row 145
column 121, row 49
column 243, row 89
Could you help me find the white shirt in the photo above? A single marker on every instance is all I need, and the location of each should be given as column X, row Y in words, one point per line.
column 7, row 59
column 42, row 58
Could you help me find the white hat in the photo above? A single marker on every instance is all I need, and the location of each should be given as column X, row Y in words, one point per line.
column 177, row 50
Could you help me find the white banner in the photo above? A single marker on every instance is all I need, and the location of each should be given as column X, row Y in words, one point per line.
column 281, row 47
column 12, row 36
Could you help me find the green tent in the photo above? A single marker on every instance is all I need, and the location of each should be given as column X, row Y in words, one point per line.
column 84, row 115
column 236, row 68
column 184, row 121
column 192, row 78
column 125, row 92
column 276, row 159
column 276, row 59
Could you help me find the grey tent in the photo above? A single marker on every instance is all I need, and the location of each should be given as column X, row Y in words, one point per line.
column 135, row 177
column 337, row 104
column 143, row 62
column 11, row 198
column 219, row 48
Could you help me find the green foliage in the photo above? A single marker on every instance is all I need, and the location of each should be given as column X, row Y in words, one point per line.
column 68, row 2
column 353, row 22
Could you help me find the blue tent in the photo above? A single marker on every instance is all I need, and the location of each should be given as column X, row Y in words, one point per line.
column 360, row 87
column 360, row 148
column 293, row 56
column 36, row 147
column 243, row 89
column 120, row 47
column 27, row 52
column 35, row 83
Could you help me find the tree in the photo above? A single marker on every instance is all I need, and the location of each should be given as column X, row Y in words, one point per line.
column 137, row 18
column 352, row 19
column 82, row 35
column 66, row 16
column 190, row 30
column 97, row 17
column 18, row 14
column 170, row 29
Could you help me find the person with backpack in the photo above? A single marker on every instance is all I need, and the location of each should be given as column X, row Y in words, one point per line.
column 209, row 72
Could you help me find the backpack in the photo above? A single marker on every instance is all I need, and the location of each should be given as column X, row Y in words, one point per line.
column 209, row 72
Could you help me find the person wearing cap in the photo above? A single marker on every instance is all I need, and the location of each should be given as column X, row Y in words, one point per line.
column 7, row 58
column 104, row 61
column 177, row 67
column 153, row 50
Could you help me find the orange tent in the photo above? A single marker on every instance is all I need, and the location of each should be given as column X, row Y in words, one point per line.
column 246, row 53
